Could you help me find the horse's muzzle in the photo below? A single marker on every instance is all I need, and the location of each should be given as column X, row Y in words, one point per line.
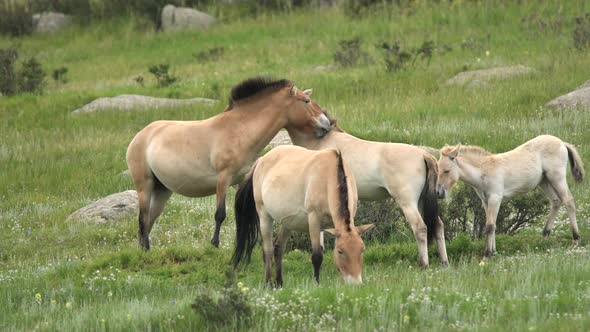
column 441, row 192
column 323, row 126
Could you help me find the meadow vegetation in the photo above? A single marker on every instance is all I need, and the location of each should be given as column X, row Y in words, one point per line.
column 57, row 275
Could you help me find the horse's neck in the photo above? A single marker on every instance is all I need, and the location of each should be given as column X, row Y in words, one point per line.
column 333, row 139
column 470, row 171
column 258, row 125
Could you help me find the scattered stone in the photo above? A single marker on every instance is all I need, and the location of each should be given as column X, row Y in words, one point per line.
column 139, row 103
column 181, row 18
column 281, row 138
column 50, row 22
column 126, row 173
column 324, row 68
column 577, row 99
column 475, row 84
column 485, row 75
column 111, row 208
column 585, row 85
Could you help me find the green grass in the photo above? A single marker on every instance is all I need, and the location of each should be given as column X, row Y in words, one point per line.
column 52, row 163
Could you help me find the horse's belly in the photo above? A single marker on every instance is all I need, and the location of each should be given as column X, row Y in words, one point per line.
column 189, row 184
column 371, row 193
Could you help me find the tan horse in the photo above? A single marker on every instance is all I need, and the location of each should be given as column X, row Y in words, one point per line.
column 541, row 162
column 382, row 170
column 201, row 158
column 304, row 191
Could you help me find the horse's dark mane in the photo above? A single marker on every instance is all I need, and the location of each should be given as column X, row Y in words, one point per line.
column 253, row 86
column 332, row 119
column 343, row 193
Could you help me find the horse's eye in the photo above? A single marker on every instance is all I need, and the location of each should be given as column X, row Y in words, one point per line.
column 340, row 252
column 447, row 172
column 307, row 101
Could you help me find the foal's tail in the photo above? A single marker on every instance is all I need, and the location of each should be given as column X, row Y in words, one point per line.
column 575, row 162
column 247, row 222
column 429, row 198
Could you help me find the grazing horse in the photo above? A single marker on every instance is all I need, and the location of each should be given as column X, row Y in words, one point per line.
column 382, row 170
column 541, row 162
column 304, row 191
column 201, row 158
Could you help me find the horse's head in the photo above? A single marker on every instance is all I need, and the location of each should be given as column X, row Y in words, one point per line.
column 448, row 173
column 306, row 115
column 348, row 252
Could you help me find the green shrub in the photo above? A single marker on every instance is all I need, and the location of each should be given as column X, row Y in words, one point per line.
column 464, row 214
column 163, row 78
column 212, row 54
column 582, row 32
column 225, row 306
column 59, row 75
column 16, row 19
column 8, row 79
column 30, row 77
column 348, row 53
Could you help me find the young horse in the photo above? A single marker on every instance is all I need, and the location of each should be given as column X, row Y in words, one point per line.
column 383, row 170
column 541, row 162
column 303, row 190
column 201, row 158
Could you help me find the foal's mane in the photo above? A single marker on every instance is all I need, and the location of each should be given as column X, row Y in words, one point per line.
column 254, row 86
column 471, row 150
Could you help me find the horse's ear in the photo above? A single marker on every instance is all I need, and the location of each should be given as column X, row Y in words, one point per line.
column 364, row 228
column 308, row 92
column 293, row 90
column 455, row 152
column 332, row 231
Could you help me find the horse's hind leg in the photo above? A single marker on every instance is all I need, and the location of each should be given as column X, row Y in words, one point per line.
column 280, row 245
column 144, row 216
column 419, row 228
column 223, row 182
column 555, row 204
column 266, row 225
column 160, row 196
column 559, row 183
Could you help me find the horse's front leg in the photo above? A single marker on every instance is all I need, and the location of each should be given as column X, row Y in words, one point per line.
column 223, row 182
column 317, row 255
column 266, row 225
column 492, row 208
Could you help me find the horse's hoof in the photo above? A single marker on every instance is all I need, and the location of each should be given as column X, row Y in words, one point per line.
column 546, row 233
column 215, row 243
column 490, row 253
column 444, row 264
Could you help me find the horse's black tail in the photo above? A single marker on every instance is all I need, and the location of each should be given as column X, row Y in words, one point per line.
column 429, row 198
column 575, row 162
column 247, row 222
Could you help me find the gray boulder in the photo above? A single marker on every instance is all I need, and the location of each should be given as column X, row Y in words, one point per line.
column 111, row 208
column 50, row 22
column 139, row 103
column 577, row 99
column 181, row 18
column 485, row 75
column 281, row 138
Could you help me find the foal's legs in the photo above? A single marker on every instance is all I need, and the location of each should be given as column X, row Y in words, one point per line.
column 492, row 208
column 559, row 183
column 223, row 182
column 280, row 244
column 555, row 204
column 317, row 256
column 267, row 250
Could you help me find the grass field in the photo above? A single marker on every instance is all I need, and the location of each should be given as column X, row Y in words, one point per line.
column 57, row 275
